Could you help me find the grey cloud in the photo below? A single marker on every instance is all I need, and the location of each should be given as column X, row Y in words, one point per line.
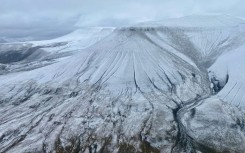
column 42, row 19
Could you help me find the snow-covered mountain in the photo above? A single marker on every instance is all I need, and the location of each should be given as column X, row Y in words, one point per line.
column 229, row 69
column 21, row 56
column 168, row 86
column 200, row 21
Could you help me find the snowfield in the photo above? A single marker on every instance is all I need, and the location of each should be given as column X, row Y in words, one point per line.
column 169, row 86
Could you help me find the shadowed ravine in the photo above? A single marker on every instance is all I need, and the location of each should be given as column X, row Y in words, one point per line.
column 185, row 143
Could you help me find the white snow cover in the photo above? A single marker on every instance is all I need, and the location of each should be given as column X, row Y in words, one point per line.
column 204, row 21
column 74, row 41
column 232, row 64
column 77, row 40
column 122, row 87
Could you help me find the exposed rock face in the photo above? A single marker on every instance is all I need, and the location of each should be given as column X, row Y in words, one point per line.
column 138, row 89
column 216, row 125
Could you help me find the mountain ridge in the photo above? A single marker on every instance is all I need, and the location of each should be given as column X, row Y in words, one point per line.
column 129, row 89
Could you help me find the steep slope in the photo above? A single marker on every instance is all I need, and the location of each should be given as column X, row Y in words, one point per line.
column 130, row 80
column 228, row 71
column 23, row 56
column 76, row 40
column 208, row 35
column 139, row 89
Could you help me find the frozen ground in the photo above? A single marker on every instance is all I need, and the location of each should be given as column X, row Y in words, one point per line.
column 169, row 86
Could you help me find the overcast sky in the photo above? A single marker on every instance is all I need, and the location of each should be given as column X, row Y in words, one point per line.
column 50, row 18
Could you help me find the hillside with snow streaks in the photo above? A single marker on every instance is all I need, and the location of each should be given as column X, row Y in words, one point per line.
column 169, row 86
column 21, row 56
column 230, row 68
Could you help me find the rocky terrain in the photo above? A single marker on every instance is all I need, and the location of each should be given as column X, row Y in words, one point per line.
column 174, row 86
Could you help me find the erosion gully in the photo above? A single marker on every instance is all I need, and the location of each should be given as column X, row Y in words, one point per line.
column 184, row 142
